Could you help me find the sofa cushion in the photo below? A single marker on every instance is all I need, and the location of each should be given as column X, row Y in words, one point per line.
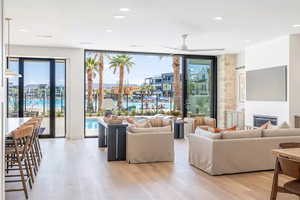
column 205, row 133
column 255, row 133
column 281, row 132
column 134, row 129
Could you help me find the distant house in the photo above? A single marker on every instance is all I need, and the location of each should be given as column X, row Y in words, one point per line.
column 163, row 84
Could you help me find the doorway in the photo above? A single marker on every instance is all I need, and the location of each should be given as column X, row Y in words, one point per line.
column 40, row 92
column 200, row 86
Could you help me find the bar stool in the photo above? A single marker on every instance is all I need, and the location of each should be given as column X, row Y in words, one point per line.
column 17, row 153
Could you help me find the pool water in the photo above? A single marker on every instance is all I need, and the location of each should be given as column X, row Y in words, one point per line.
column 91, row 123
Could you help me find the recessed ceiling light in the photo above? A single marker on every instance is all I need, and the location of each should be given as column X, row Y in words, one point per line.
column 108, row 30
column 23, row 30
column 218, row 18
column 119, row 16
column 85, row 43
column 124, row 9
column 296, row 25
column 136, row 45
column 44, row 36
column 247, row 41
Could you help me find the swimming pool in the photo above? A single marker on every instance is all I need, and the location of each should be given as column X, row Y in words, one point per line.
column 91, row 123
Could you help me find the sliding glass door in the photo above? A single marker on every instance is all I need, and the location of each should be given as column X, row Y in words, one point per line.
column 200, row 86
column 39, row 93
column 36, row 91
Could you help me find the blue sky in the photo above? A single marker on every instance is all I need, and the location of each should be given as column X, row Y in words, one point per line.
column 145, row 66
column 38, row 72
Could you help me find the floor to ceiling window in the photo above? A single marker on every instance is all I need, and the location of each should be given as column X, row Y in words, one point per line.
column 39, row 92
column 130, row 84
column 139, row 84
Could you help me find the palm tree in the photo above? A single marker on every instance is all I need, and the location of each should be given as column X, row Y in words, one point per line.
column 91, row 65
column 119, row 62
column 176, row 83
column 101, row 86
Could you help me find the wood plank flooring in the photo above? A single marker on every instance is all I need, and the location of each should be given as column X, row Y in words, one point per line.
column 78, row 170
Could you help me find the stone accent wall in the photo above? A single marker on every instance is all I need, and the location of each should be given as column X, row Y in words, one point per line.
column 227, row 94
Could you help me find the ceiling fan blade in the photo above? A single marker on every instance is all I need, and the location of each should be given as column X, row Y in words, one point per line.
column 195, row 50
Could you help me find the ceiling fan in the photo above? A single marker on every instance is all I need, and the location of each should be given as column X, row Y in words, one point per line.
column 184, row 46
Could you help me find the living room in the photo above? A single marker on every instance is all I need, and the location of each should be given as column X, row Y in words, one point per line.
column 119, row 100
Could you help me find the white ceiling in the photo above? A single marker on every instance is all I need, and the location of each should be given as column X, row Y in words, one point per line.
column 151, row 23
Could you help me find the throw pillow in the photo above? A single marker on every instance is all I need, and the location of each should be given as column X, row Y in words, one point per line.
column 219, row 130
column 156, row 122
column 130, row 120
column 166, row 122
column 204, row 128
column 284, row 125
column 234, row 128
column 142, row 124
column 267, row 125
column 215, row 130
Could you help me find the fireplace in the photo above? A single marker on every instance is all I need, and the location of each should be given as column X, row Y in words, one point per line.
column 259, row 120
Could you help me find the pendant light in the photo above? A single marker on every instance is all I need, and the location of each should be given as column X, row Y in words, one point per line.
column 9, row 73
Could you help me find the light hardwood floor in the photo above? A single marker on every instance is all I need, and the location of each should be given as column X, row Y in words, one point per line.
column 78, row 170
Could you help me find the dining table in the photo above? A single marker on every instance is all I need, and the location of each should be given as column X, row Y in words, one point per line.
column 291, row 153
column 14, row 123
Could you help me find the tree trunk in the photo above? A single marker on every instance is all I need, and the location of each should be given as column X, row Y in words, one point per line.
column 176, row 83
column 101, row 87
column 90, row 90
column 121, row 87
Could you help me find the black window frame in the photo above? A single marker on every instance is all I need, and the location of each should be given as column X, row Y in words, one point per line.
column 52, row 73
column 183, row 78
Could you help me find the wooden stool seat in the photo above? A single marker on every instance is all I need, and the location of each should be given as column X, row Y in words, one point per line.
column 293, row 186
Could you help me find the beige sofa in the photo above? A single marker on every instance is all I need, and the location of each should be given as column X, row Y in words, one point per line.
column 154, row 144
column 236, row 152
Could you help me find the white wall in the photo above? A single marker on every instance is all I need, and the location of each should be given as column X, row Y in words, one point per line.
column 264, row 55
column 294, row 80
column 74, row 82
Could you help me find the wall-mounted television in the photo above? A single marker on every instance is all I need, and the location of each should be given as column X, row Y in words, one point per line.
column 268, row 84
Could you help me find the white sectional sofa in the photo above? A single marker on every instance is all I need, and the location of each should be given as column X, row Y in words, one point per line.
column 238, row 151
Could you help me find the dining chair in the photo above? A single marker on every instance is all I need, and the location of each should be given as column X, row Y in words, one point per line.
column 18, row 154
column 288, row 167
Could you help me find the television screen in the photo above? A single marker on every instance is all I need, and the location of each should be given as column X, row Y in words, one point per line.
column 269, row 84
